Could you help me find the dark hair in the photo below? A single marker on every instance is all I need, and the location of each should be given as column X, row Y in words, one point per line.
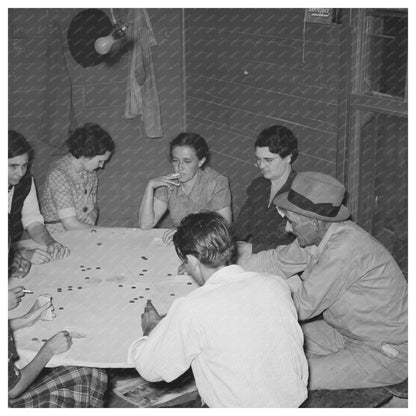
column 279, row 140
column 207, row 236
column 193, row 140
column 90, row 140
column 18, row 145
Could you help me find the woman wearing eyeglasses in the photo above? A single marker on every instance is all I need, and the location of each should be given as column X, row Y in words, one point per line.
column 259, row 226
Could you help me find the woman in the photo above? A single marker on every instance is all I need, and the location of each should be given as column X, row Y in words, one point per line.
column 23, row 206
column 69, row 196
column 192, row 187
column 258, row 223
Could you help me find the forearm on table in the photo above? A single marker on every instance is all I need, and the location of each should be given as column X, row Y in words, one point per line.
column 17, row 323
column 264, row 261
column 72, row 223
column 30, row 372
column 39, row 234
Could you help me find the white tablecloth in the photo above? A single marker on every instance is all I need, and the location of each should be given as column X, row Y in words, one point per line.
column 100, row 291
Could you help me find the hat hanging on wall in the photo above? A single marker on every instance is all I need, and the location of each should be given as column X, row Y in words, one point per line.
column 91, row 34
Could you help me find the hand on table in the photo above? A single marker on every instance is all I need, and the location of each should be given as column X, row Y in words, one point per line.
column 15, row 296
column 244, row 248
column 181, row 269
column 150, row 318
column 59, row 343
column 35, row 313
column 58, row 251
column 170, row 181
column 19, row 266
column 36, row 256
column 168, row 236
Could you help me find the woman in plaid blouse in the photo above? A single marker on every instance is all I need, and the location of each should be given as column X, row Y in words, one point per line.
column 69, row 196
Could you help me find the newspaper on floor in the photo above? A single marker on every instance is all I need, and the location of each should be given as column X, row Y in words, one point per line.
column 141, row 393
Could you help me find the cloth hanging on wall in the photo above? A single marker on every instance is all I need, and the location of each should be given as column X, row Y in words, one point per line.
column 57, row 118
column 142, row 96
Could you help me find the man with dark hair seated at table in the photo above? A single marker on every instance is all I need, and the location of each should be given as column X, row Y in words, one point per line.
column 238, row 331
column 349, row 277
column 24, row 207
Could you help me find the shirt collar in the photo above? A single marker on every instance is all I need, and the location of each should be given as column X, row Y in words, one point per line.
column 329, row 232
column 227, row 274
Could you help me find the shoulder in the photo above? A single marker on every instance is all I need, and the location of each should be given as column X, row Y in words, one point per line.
column 348, row 237
column 60, row 169
column 210, row 175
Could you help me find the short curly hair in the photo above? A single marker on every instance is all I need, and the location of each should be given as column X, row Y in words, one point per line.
column 279, row 140
column 207, row 236
column 194, row 141
column 89, row 141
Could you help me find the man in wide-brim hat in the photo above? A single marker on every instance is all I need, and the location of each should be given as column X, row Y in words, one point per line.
column 350, row 278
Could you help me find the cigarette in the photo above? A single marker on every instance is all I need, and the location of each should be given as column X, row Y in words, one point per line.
column 27, row 291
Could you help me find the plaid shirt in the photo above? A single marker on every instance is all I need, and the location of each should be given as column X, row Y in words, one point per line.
column 59, row 386
column 69, row 193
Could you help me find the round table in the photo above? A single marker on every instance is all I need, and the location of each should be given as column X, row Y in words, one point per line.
column 99, row 293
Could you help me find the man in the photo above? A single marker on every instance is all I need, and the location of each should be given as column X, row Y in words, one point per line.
column 350, row 278
column 238, row 331
column 24, row 207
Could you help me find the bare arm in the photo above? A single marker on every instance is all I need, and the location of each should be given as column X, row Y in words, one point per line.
column 54, row 249
column 40, row 234
column 72, row 223
column 59, row 343
column 152, row 209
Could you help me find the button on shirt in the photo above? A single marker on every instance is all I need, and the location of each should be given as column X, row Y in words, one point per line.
column 350, row 277
column 30, row 209
column 239, row 333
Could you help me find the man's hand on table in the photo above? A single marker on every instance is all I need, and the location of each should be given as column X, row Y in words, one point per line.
column 58, row 251
column 244, row 248
column 168, row 236
column 181, row 269
column 150, row 318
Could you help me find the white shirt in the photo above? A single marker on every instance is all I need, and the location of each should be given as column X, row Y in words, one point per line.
column 30, row 209
column 240, row 334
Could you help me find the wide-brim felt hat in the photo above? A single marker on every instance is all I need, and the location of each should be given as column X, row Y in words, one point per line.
column 315, row 195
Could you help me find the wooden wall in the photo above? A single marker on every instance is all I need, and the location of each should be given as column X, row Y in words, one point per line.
column 244, row 70
column 98, row 96
column 247, row 69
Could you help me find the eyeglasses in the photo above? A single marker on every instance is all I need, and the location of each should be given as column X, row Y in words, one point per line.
column 266, row 161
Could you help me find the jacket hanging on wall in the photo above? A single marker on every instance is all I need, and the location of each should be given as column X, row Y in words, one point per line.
column 57, row 119
column 142, row 96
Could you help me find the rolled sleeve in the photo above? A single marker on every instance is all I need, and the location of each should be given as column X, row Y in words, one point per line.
column 30, row 210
